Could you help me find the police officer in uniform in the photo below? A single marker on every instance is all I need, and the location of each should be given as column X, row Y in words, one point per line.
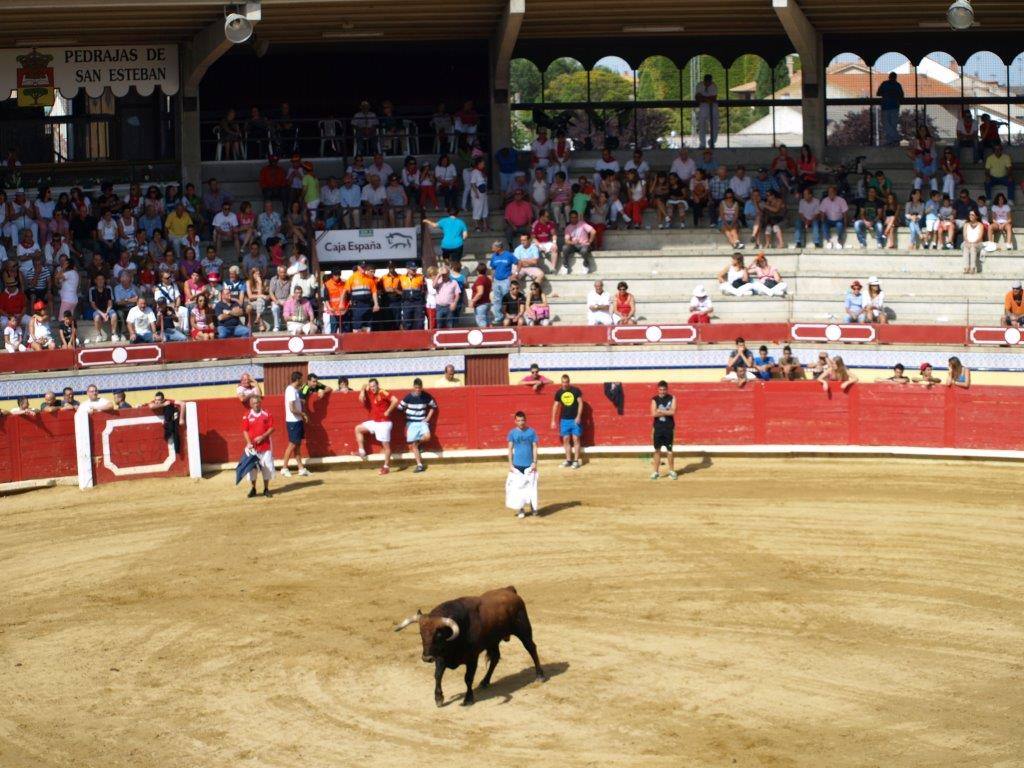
column 412, row 287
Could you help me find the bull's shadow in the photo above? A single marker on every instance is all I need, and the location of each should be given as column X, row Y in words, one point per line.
column 506, row 686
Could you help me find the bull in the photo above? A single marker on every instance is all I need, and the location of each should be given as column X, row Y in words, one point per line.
column 456, row 632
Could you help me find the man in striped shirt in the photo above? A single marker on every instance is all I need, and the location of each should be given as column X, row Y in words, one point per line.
column 419, row 408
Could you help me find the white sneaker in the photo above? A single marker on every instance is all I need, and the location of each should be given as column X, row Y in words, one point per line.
column 304, row 472
column 563, row 271
column 521, row 514
column 839, row 246
column 115, row 337
column 828, row 245
column 286, row 472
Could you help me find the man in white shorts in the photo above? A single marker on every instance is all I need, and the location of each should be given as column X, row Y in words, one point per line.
column 381, row 404
column 257, row 427
column 419, row 408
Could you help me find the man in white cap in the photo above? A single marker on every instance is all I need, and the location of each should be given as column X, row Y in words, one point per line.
column 1013, row 305
column 701, row 306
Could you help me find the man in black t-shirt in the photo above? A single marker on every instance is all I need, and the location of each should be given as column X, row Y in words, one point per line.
column 101, row 300
column 570, row 400
column 419, row 408
column 663, row 411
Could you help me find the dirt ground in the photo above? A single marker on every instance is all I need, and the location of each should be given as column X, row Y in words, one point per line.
column 768, row 612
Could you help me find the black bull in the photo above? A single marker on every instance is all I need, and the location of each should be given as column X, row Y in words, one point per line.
column 456, row 632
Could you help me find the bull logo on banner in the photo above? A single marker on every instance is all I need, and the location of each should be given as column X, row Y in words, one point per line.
column 35, row 80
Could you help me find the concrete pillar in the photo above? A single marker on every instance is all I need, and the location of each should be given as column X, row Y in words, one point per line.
column 502, row 45
column 807, row 42
column 206, row 47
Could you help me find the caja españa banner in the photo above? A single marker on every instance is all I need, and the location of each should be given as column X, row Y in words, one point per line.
column 348, row 245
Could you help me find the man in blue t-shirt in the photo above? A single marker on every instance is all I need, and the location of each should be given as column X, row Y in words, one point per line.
column 508, row 164
column 763, row 363
column 891, row 94
column 453, row 234
column 522, row 460
column 502, row 264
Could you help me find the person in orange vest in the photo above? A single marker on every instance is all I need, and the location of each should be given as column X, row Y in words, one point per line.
column 413, row 286
column 390, row 292
column 334, row 308
column 361, row 295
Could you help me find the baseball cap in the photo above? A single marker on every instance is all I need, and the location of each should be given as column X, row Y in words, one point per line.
column 700, row 292
column 39, row 305
column 925, row 366
column 410, row 265
column 213, row 277
column 873, row 280
column 1015, row 284
column 856, row 284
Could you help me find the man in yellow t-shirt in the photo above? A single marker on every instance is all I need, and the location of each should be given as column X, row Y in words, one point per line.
column 176, row 227
column 998, row 167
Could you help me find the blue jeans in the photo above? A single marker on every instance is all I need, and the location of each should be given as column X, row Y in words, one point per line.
column 499, row 290
column 445, row 316
column 891, row 126
column 143, row 338
column 915, row 231
column 1005, row 181
column 801, row 232
column 173, row 334
column 238, row 332
column 838, row 225
column 481, row 312
column 506, row 180
column 861, row 228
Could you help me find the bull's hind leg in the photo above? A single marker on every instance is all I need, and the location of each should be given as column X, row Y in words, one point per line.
column 493, row 655
column 470, row 673
column 524, row 632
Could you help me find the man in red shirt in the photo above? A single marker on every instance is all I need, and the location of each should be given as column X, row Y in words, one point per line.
column 273, row 180
column 257, row 427
column 380, row 403
column 518, row 218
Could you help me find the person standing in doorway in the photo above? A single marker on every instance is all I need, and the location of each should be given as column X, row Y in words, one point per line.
column 568, row 400
column 295, row 419
column 663, row 411
column 891, row 94
column 707, row 112
column 257, row 427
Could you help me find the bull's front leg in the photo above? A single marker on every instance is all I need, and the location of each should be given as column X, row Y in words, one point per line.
column 438, row 674
column 470, row 673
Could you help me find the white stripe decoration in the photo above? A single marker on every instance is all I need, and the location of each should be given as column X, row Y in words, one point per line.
column 477, row 337
column 832, row 332
column 295, row 345
column 120, row 355
column 652, row 334
column 997, row 336
column 142, row 469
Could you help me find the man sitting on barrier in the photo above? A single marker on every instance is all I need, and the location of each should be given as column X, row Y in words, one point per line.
column 298, row 313
column 1013, row 305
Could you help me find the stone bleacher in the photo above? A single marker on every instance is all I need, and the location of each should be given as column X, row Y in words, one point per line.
column 663, row 266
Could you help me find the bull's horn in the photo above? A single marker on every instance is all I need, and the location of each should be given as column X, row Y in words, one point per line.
column 410, row 620
column 450, row 623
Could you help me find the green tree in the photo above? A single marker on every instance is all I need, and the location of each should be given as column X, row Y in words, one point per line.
column 524, row 81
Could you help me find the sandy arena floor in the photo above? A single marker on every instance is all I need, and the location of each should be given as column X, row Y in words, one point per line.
column 753, row 613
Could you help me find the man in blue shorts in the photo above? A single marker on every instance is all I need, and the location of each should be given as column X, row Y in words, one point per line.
column 419, row 408
column 570, row 400
column 522, row 452
column 453, row 234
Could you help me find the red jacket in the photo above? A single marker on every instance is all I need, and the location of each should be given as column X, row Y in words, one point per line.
column 272, row 176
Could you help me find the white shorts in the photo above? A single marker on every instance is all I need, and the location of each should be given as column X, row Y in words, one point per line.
column 416, row 431
column 381, row 430
column 266, row 466
column 732, row 376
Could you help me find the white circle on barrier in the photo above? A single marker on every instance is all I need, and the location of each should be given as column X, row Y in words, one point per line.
column 119, row 355
column 1012, row 335
column 833, row 332
column 475, row 337
column 653, row 333
column 296, row 344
